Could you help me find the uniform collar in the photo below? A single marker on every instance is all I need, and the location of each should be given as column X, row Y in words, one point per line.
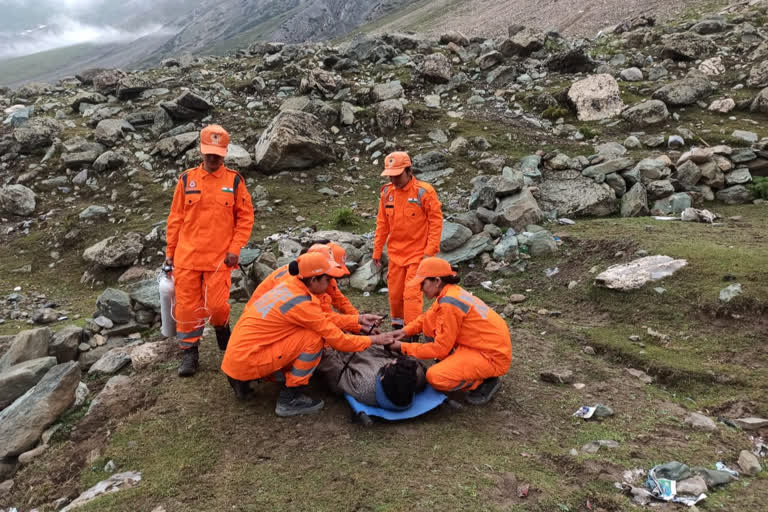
column 445, row 291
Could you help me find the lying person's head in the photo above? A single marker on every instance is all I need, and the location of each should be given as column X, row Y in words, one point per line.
column 398, row 382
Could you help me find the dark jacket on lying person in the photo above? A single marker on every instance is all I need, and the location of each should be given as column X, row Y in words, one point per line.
column 374, row 377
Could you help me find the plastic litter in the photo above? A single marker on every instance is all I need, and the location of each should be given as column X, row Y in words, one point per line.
column 720, row 466
column 662, row 482
column 598, row 411
column 552, row 271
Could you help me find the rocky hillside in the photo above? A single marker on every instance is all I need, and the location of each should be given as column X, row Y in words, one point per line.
column 520, row 135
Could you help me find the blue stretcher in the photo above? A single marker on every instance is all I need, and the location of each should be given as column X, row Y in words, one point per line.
column 423, row 402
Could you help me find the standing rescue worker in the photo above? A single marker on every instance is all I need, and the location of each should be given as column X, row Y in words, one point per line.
column 281, row 336
column 470, row 339
column 410, row 222
column 210, row 221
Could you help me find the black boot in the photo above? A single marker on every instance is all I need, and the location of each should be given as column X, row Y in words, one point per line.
column 293, row 402
column 222, row 337
column 189, row 362
column 484, row 392
column 241, row 388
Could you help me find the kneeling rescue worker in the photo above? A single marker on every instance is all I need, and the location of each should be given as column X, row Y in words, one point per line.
column 470, row 339
column 210, row 221
column 280, row 336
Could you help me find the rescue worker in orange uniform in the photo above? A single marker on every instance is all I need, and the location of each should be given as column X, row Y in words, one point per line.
column 409, row 222
column 334, row 302
column 210, row 221
column 281, row 336
column 470, row 339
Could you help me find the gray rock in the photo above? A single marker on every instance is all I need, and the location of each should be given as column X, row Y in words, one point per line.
column 730, row 292
column 737, row 194
column 700, row 422
column 558, row 376
column 90, row 97
column 635, row 202
column 687, row 46
column 632, row 75
column 507, row 248
column 147, row 294
column 176, row 145
column 487, row 216
column 366, row 278
column 470, row 220
column 647, row 113
column 17, row 200
column 540, row 244
column 114, row 304
column 63, row 345
column 758, row 75
column 93, row 212
column 428, row 162
column 751, row 423
column 523, row 43
column 111, row 362
column 746, row 136
column 659, row 189
column 617, row 183
column 454, row 37
column 760, row 103
column 78, row 159
column 674, row 203
column 704, row 27
column 454, row 236
column 18, row 379
column 390, row 115
column 388, row 91
column 749, row 464
column 596, row 97
column 45, row 316
column 115, row 251
column 636, row 273
column 517, row 211
column 688, row 175
column 574, row 195
column 610, row 150
column 436, row 68
column 529, row 166
column 575, row 60
column 482, row 196
column 692, row 486
column 738, row 176
column 27, row 345
column 238, row 158
column 36, row 134
column 106, row 80
column 187, row 107
column 742, row 155
column 684, row 92
column 22, row 423
column 111, row 131
column 608, row 167
column 475, row 246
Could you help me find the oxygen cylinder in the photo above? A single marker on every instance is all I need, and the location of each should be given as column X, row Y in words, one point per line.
column 167, row 301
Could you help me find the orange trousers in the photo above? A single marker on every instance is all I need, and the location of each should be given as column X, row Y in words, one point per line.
column 465, row 368
column 291, row 360
column 200, row 296
column 405, row 303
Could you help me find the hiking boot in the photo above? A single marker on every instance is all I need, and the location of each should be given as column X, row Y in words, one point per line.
column 242, row 388
column 222, row 336
column 189, row 362
column 293, row 402
column 484, row 392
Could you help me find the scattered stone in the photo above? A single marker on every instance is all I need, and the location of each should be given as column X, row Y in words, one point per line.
column 647, row 113
column 700, row 422
column 26, row 346
column 454, row 236
column 635, row 274
column 115, row 251
column 640, row 374
column 558, row 376
column 117, row 482
column 17, row 200
column 18, row 379
column 596, row 97
column 114, row 304
column 293, row 140
column 749, row 464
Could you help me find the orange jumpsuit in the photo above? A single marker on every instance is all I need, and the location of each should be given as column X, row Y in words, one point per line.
column 410, row 222
column 211, row 215
column 345, row 316
column 470, row 339
column 283, row 332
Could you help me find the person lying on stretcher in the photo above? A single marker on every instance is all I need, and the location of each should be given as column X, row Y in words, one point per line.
column 374, row 377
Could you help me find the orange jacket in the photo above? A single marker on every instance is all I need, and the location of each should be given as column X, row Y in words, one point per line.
column 347, row 316
column 280, row 313
column 211, row 215
column 460, row 318
column 410, row 222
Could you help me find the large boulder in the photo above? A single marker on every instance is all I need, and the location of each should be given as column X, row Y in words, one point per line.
column 18, row 379
column 24, row 421
column 684, row 92
column 111, row 131
column 523, row 43
column 130, row 86
column 63, row 345
column 17, row 200
column 114, row 304
column 760, row 103
column 635, row 202
column 115, row 251
column 687, row 46
column 390, row 115
column 366, row 278
column 293, row 140
column 30, row 344
column 758, row 75
column 90, row 97
column 436, row 68
column 454, row 236
column 187, row 107
column 388, row 91
column 147, row 294
column 596, row 97
column 518, row 210
column 737, row 194
column 107, row 80
column 575, row 60
column 475, row 246
column 176, row 145
column 36, row 134
column 573, row 195
column 647, row 113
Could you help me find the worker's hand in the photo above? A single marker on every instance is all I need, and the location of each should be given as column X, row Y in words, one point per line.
column 371, row 330
column 395, row 346
column 369, row 319
column 231, row 260
column 377, row 262
column 381, row 339
column 169, row 262
column 398, row 335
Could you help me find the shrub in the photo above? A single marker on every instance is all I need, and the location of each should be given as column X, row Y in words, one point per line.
column 553, row 113
column 345, row 217
column 759, row 187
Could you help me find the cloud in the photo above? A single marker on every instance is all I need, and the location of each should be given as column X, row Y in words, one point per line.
column 63, row 31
